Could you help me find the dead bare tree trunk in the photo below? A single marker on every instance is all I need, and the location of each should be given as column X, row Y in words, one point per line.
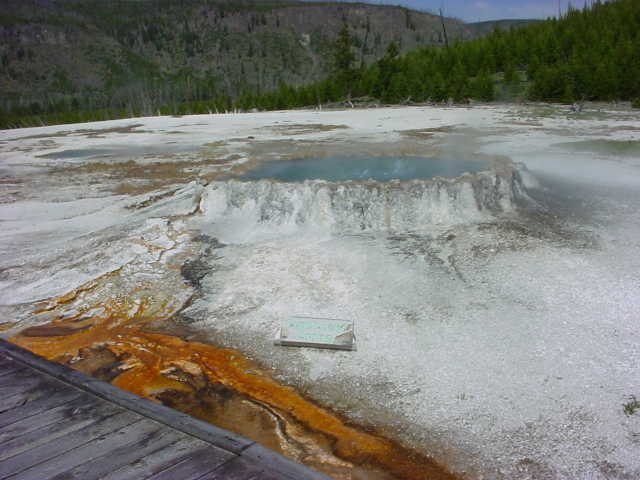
column 444, row 29
column 364, row 43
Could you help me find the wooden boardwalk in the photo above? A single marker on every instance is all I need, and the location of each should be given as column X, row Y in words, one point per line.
column 57, row 423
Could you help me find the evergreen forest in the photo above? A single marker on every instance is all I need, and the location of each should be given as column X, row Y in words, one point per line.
column 589, row 54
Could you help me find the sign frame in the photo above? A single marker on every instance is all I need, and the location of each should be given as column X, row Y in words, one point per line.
column 316, row 332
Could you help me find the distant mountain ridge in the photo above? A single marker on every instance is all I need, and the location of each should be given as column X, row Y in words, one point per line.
column 488, row 26
column 103, row 53
column 70, row 61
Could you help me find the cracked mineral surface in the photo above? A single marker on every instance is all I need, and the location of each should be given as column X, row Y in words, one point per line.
column 496, row 313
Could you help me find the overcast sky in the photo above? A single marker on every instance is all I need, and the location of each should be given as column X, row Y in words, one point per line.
column 479, row 10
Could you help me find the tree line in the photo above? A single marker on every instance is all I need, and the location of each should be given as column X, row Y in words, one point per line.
column 591, row 53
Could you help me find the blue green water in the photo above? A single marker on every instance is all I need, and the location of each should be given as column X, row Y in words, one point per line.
column 382, row 169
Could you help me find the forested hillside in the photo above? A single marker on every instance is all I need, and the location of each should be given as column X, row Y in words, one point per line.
column 137, row 56
column 589, row 54
column 505, row 24
column 98, row 60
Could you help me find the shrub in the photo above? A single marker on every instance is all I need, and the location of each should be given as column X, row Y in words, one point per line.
column 631, row 406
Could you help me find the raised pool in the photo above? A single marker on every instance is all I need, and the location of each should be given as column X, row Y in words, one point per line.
column 379, row 168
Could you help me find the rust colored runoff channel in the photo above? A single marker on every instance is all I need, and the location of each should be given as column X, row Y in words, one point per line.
column 220, row 386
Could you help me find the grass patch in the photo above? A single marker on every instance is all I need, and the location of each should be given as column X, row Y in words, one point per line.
column 303, row 129
column 425, row 133
column 605, row 147
column 632, row 406
column 217, row 144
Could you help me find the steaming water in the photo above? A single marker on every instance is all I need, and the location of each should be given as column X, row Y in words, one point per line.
column 382, row 168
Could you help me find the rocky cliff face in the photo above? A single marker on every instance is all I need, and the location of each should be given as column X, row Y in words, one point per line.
column 243, row 211
column 184, row 49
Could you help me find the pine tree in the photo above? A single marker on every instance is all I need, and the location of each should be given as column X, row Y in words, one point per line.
column 510, row 74
column 398, row 89
column 344, row 61
column 482, row 87
column 387, row 66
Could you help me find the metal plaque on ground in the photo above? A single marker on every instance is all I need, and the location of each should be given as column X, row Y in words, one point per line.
column 315, row 332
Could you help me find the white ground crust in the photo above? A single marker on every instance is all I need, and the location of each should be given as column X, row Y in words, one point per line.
column 507, row 355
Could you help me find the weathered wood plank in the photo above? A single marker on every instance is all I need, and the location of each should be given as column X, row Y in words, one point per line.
column 242, row 469
column 194, row 466
column 30, row 459
column 119, row 436
column 158, row 461
column 23, row 398
column 133, row 436
column 48, row 426
column 178, row 420
column 173, row 418
column 56, row 396
column 13, row 368
column 34, row 422
column 8, row 364
column 22, row 381
column 16, row 400
column 281, row 465
column 9, row 368
column 98, row 467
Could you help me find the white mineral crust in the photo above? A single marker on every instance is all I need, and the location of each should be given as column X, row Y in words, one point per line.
column 501, row 338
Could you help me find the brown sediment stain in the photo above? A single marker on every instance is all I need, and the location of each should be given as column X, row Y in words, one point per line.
column 134, row 178
column 89, row 132
column 216, row 144
column 6, row 326
column 7, row 180
column 425, row 133
column 218, row 385
column 131, row 168
column 151, row 200
column 304, row 129
column 522, row 123
column 67, row 297
column 52, row 331
column 624, row 128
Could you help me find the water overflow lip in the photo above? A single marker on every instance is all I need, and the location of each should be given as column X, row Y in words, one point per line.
column 360, row 168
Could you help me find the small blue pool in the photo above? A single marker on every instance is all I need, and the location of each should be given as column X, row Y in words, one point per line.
column 382, row 169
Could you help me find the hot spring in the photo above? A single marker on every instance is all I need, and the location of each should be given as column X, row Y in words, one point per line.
column 361, row 168
column 344, row 195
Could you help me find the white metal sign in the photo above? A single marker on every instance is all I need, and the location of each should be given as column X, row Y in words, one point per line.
column 317, row 332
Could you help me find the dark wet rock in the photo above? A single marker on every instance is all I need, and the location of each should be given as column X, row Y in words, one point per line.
column 99, row 362
column 52, row 331
column 194, row 271
column 212, row 243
